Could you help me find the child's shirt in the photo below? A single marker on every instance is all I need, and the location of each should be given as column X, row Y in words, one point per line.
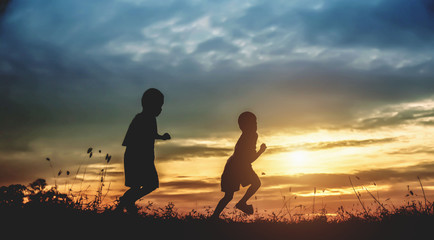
column 139, row 153
column 141, row 132
column 245, row 150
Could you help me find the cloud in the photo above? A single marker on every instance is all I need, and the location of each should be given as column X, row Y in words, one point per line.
column 396, row 115
column 190, row 198
column 169, row 34
column 414, row 150
column 318, row 146
column 348, row 143
column 216, row 44
column 302, row 182
column 3, row 6
column 424, row 170
column 21, row 170
column 174, row 152
column 379, row 24
column 190, row 184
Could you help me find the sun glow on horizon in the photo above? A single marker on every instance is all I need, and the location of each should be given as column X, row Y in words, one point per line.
column 299, row 158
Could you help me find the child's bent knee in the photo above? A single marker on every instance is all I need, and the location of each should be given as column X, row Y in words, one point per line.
column 257, row 184
column 228, row 196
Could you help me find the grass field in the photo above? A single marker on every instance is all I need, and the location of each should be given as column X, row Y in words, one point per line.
column 36, row 211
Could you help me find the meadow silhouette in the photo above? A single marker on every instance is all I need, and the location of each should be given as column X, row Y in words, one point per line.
column 44, row 211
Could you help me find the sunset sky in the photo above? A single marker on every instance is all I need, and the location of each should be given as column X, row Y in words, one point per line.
column 341, row 89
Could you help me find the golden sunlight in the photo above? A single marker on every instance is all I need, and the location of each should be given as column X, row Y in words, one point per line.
column 299, row 158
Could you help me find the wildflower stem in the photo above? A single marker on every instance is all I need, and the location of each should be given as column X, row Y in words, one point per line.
column 313, row 205
column 376, row 200
column 357, row 195
column 423, row 191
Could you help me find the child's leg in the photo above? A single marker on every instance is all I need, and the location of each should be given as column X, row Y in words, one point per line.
column 132, row 195
column 222, row 204
column 143, row 191
column 251, row 191
column 129, row 196
column 127, row 200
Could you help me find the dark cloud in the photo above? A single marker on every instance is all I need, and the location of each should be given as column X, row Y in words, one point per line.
column 379, row 24
column 21, row 170
column 216, row 44
column 191, row 198
column 257, row 17
column 402, row 117
column 172, row 152
column 321, row 95
column 320, row 180
column 429, row 6
column 3, row 6
column 424, row 170
column 92, row 173
column 190, row 184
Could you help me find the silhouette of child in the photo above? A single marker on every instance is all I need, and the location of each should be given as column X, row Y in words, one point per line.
column 140, row 173
column 238, row 169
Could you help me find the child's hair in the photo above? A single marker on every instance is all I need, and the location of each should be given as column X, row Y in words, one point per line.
column 152, row 96
column 245, row 119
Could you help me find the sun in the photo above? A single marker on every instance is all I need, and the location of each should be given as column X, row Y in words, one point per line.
column 299, row 158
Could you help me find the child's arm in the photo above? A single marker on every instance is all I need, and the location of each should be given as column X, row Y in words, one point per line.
column 261, row 151
column 165, row 136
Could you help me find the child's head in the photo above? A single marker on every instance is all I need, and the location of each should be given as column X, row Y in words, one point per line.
column 152, row 101
column 247, row 122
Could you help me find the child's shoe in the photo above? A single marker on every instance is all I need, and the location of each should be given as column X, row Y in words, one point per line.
column 247, row 209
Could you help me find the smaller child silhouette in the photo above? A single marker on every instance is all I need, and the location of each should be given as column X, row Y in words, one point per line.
column 140, row 173
column 238, row 169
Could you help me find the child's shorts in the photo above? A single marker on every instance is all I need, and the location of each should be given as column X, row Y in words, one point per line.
column 232, row 179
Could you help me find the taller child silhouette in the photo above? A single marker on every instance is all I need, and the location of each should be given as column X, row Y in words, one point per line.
column 140, row 173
